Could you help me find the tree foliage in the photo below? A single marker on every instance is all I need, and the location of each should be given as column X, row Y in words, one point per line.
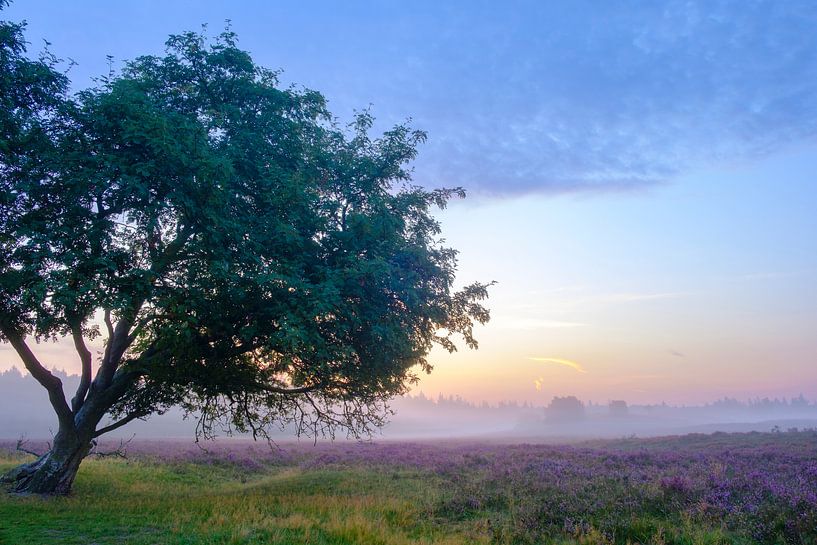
column 241, row 254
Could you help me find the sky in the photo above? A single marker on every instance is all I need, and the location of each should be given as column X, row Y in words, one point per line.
column 641, row 175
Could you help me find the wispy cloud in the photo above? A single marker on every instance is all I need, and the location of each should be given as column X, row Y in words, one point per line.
column 560, row 361
column 771, row 275
column 530, row 324
column 531, row 96
column 646, row 377
column 635, row 297
column 579, row 302
column 590, row 96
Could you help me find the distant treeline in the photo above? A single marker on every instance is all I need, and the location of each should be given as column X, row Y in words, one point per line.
column 24, row 410
column 16, row 386
column 757, row 403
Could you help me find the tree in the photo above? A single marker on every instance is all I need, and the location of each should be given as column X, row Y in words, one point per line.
column 564, row 409
column 618, row 408
column 242, row 255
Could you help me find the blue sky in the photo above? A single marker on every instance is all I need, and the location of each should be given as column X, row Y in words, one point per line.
column 517, row 96
column 641, row 174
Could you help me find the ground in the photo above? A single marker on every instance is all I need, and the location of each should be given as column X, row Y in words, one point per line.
column 718, row 489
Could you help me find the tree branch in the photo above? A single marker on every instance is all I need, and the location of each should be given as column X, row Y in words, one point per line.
column 119, row 423
column 52, row 384
column 108, row 323
column 86, row 358
column 119, row 452
column 21, row 447
column 293, row 390
column 117, row 345
column 120, row 337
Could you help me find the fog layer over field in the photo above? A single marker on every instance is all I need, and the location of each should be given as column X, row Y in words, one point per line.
column 26, row 412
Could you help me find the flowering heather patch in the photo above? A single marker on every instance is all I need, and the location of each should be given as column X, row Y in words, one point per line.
column 762, row 487
column 720, row 488
column 763, row 490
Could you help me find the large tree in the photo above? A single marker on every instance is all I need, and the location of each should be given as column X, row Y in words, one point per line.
column 241, row 255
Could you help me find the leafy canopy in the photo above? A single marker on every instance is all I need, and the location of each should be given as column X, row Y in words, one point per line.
column 242, row 254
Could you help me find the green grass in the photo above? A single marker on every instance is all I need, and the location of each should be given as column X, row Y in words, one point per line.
column 139, row 502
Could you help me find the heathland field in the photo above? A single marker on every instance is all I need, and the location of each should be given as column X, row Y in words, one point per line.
column 695, row 489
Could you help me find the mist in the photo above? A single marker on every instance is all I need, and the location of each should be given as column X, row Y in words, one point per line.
column 27, row 413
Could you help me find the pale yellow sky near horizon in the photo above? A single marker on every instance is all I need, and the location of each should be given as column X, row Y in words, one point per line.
column 678, row 293
column 685, row 293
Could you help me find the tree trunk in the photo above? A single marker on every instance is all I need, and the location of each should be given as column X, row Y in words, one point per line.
column 52, row 473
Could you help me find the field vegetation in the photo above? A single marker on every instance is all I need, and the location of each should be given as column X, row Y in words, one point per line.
column 694, row 489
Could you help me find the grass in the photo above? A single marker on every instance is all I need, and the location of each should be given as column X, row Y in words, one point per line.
column 481, row 499
column 141, row 503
